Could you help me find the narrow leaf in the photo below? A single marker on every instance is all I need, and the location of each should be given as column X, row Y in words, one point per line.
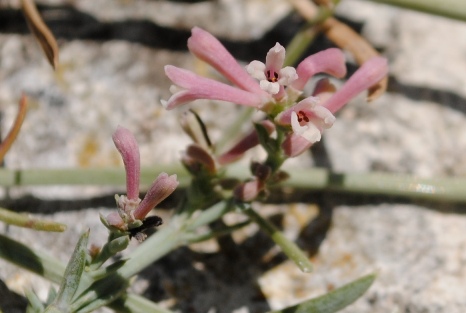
column 334, row 300
column 35, row 305
column 40, row 30
column 72, row 276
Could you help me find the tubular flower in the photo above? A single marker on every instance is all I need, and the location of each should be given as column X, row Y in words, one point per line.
column 272, row 77
column 131, row 210
column 309, row 117
column 275, row 89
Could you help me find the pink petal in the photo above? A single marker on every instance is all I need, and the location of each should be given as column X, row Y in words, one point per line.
column 275, row 58
column 330, row 61
column 366, row 76
column 199, row 87
column 115, row 220
column 207, row 48
column 294, row 145
column 129, row 150
column 161, row 188
column 284, row 118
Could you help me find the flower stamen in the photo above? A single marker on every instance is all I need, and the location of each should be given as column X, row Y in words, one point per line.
column 302, row 117
column 270, row 78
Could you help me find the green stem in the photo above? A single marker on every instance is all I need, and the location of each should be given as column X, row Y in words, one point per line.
column 24, row 220
column 136, row 304
column 170, row 237
column 391, row 184
column 455, row 9
column 288, row 247
column 299, row 44
column 156, row 246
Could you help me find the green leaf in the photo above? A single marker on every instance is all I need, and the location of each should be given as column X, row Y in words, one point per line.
column 109, row 250
column 100, row 293
column 35, row 305
column 71, row 278
column 334, row 300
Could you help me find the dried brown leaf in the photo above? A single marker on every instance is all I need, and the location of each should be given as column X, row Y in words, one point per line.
column 344, row 37
column 40, row 30
column 11, row 137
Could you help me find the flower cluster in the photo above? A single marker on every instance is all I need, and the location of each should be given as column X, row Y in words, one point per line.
column 274, row 89
column 131, row 210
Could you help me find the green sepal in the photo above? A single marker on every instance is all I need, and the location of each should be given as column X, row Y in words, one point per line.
column 109, row 249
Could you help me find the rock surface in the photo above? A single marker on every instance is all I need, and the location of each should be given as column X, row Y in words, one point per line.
column 417, row 128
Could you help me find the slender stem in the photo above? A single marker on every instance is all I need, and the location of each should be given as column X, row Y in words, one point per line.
column 209, row 215
column 288, row 247
column 299, row 44
column 392, row 184
column 455, row 9
column 24, row 220
column 306, row 36
column 156, row 246
column 136, row 304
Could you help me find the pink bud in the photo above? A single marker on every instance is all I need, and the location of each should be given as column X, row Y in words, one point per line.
column 129, row 150
column 161, row 188
column 196, row 158
column 248, row 191
column 197, row 87
column 370, row 73
column 207, row 48
column 330, row 61
column 114, row 219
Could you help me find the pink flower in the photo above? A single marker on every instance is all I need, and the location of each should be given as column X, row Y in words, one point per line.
column 193, row 87
column 129, row 150
column 277, row 90
column 309, row 117
column 131, row 210
column 272, row 77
